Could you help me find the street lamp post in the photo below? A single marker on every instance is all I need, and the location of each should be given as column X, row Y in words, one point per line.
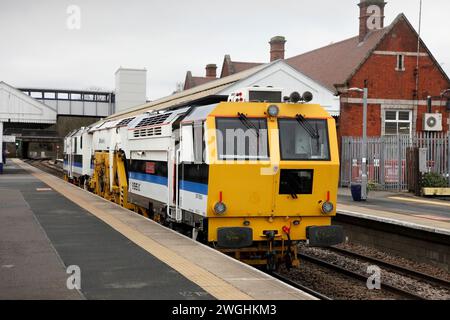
column 364, row 149
column 364, row 155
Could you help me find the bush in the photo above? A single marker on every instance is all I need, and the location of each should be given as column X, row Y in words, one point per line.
column 433, row 180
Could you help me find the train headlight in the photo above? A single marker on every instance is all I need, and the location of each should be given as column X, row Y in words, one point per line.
column 220, row 208
column 273, row 110
column 327, row 207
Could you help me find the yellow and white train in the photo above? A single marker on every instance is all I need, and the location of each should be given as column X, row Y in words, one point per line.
column 250, row 178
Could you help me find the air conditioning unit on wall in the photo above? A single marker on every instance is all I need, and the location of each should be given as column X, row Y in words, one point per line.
column 432, row 122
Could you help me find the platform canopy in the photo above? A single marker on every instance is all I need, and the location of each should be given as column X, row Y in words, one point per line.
column 15, row 106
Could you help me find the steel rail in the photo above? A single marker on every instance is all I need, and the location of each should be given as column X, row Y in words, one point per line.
column 381, row 263
column 359, row 276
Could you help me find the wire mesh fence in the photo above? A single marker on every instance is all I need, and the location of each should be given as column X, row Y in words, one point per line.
column 386, row 158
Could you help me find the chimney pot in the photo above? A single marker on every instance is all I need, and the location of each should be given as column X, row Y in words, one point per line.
column 211, row 70
column 371, row 17
column 277, row 48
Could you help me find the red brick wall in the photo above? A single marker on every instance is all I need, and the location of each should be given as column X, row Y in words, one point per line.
column 384, row 82
column 350, row 122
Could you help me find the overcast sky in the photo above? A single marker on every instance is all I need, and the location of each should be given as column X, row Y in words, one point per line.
column 169, row 37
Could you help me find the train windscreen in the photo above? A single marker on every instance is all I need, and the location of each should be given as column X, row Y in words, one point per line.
column 304, row 139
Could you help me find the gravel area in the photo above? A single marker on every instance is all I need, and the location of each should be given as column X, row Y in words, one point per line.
column 333, row 284
column 393, row 278
column 397, row 260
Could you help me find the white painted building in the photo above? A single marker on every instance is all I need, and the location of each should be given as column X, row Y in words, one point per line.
column 131, row 88
column 17, row 107
column 277, row 74
column 281, row 75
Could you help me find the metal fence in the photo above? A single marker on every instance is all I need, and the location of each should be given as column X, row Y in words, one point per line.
column 387, row 165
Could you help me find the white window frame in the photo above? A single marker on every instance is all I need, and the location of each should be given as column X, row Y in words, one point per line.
column 397, row 120
column 400, row 58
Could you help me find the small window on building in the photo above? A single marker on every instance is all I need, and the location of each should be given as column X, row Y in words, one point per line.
column 400, row 62
column 101, row 97
column 75, row 96
column 397, row 122
column 88, row 97
column 37, row 94
column 62, row 96
column 49, row 95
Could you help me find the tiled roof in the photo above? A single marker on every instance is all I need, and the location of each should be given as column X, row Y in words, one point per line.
column 191, row 81
column 242, row 66
column 334, row 63
column 231, row 67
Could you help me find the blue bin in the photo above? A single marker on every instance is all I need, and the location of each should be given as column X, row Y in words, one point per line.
column 1, row 168
column 356, row 192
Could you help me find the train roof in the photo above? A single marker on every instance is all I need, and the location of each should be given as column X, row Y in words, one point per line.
column 199, row 113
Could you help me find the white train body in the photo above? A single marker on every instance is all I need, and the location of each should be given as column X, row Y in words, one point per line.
column 78, row 153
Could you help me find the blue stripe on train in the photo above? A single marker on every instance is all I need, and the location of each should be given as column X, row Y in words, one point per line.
column 184, row 185
column 75, row 164
column 194, row 187
column 148, row 178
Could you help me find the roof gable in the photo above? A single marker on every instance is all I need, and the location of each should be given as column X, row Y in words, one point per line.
column 336, row 64
column 15, row 106
column 388, row 31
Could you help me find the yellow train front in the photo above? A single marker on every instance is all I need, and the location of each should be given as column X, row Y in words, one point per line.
column 251, row 179
column 273, row 178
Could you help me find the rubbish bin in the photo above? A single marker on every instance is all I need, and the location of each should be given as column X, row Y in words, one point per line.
column 1, row 168
column 356, row 192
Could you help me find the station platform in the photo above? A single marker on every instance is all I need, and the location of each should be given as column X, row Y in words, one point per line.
column 47, row 225
column 403, row 209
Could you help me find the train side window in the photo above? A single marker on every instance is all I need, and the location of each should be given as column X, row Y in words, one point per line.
column 187, row 143
column 198, row 134
column 81, row 142
column 75, row 145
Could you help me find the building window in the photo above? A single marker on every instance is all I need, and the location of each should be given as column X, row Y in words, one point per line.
column 50, row 95
column 400, row 63
column 397, row 122
column 62, row 96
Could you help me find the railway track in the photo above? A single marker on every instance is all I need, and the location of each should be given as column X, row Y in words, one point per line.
column 45, row 166
column 396, row 268
column 54, row 170
column 361, row 277
column 299, row 286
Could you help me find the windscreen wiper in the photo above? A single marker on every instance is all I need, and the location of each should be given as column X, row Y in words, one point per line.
column 307, row 126
column 247, row 123
column 292, row 184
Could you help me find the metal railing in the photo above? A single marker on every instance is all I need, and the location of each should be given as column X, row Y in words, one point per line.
column 387, row 165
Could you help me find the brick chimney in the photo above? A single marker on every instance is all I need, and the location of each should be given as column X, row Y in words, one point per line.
column 211, row 71
column 277, row 48
column 371, row 17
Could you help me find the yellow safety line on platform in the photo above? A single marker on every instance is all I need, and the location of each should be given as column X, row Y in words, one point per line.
column 212, row 284
column 435, row 203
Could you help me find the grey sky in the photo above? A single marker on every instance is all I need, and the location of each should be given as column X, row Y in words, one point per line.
column 170, row 37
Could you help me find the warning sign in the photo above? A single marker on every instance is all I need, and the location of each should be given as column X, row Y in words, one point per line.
column 150, row 167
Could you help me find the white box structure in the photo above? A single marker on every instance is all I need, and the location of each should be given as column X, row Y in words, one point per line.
column 131, row 88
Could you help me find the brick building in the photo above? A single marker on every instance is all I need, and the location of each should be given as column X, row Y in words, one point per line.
column 399, row 77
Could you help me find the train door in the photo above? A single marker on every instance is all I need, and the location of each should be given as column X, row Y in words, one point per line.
column 192, row 184
column 70, row 157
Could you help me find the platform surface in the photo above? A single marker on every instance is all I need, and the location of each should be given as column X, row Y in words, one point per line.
column 47, row 225
column 404, row 209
